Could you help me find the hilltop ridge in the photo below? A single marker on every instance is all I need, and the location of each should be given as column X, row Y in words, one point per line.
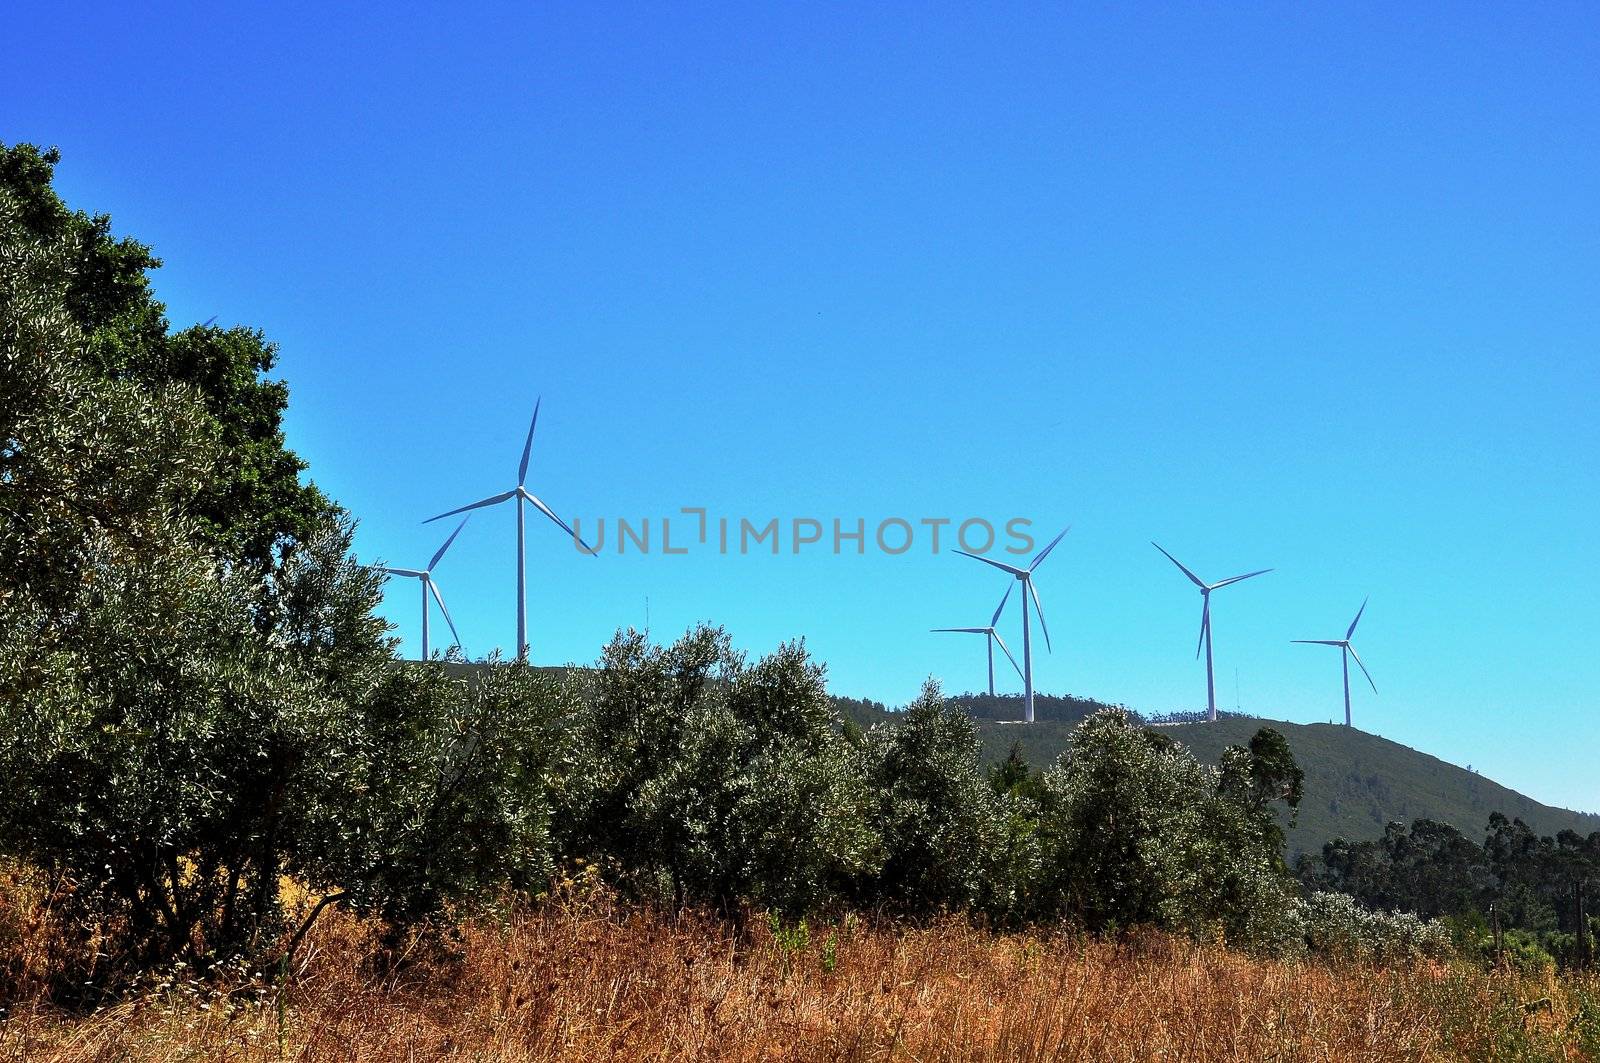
column 1356, row 782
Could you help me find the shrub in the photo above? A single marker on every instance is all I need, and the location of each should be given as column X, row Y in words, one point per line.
column 1336, row 925
column 1135, row 831
column 946, row 840
column 699, row 777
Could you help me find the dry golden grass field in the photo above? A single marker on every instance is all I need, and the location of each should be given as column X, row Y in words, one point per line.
column 584, row 979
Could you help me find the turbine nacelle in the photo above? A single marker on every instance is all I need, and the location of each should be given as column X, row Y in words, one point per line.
column 520, row 494
column 989, row 632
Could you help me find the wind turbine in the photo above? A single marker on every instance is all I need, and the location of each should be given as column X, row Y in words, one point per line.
column 521, row 494
column 1205, row 624
column 991, row 636
column 1346, row 651
column 429, row 587
column 1025, row 575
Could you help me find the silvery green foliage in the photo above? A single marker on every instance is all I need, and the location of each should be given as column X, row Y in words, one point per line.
column 700, row 777
column 123, row 642
column 1335, row 924
column 1016, row 860
column 948, row 840
column 798, row 826
column 91, row 469
column 245, row 501
column 1135, row 831
column 443, row 793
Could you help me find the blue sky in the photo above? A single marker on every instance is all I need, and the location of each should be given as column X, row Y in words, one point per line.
column 1307, row 287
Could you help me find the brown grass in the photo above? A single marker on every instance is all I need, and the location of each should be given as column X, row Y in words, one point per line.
column 582, row 979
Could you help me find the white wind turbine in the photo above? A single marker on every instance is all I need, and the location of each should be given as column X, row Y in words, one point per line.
column 1346, row 651
column 991, row 636
column 430, row 587
column 1205, row 624
column 521, row 494
column 1025, row 575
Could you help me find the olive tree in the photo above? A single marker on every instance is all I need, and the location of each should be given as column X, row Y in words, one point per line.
column 948, row 840
column 1137, row 831
column 196, row 696
column 698, row 776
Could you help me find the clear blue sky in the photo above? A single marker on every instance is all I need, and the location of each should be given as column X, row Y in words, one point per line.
column 1310, row 287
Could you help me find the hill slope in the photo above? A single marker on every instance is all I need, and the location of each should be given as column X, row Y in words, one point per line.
column 1356, row 783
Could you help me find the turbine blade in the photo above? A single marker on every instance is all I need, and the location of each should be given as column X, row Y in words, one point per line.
column 492, row 500
column 1357, row 620
column 1039, row 608
column 1205, row 625
column 1236, row 579
column 527, row 448
column 1006, row 650
column 1042, row 554
column 1001, row 565
column 1363, row 667
column 440, row 552
column 964, row 630
column 434, row 587
column 1196, row 580
column 1319, row 642
column 403, row 572
column 993, row 620
column 547, row 511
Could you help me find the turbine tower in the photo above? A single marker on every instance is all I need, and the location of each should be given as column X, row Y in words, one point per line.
column 1205, row 624
column 1346, row 651
column 521, row 494
column 1025, row 576
column 430, row 587
column 991, row 636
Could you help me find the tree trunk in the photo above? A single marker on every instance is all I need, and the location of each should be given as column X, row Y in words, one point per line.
column 1585, row 959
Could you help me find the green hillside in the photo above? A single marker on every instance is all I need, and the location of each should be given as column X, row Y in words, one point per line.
column 1356, row 783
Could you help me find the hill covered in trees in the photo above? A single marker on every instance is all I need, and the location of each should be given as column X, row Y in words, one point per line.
column 1356, row 783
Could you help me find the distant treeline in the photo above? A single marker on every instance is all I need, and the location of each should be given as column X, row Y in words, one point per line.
column 1007, row 708
column 1048, row 708
column 1538, row 890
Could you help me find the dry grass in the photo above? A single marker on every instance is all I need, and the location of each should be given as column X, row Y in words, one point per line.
column 583, row 980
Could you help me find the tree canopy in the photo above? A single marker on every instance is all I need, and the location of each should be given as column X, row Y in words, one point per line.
column 196, row 696
column 249, row 502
